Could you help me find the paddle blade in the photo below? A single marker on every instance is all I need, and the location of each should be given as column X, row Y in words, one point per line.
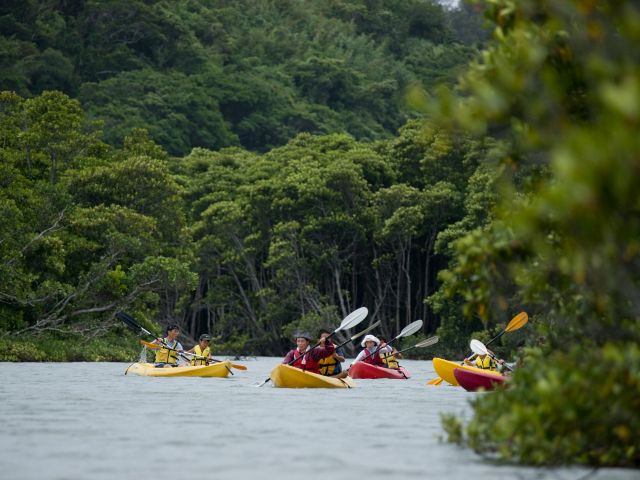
column 128, row 321
column 478, row 347
column 517, row 322
column 410, row 329
column 428, row 342
column 435, row 381
column 353, row 319
column 264, row 383
column 237, row 366
column 131, row 323
column 152, row 346
column 370, row 327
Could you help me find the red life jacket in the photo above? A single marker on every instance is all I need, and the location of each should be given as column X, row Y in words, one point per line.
column 374, row 359
column 306, row 363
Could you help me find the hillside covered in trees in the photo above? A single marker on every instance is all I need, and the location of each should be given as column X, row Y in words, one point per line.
column 286, row 228
column 234, row 73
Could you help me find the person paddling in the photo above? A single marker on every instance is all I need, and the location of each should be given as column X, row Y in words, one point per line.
column 202, row 351
column 486, row 362
column 370, row 344
column 306, row 358
column 390, row 360
column 167, row 356
column 331, row 366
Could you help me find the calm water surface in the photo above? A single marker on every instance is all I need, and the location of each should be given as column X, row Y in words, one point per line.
column 89, row 421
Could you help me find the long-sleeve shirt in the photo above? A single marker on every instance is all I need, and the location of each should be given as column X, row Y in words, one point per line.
column 367, row 351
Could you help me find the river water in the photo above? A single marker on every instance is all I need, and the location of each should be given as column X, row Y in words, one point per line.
column 89, row 421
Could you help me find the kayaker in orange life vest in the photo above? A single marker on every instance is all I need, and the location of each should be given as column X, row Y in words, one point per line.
column 370, row 344
column 308, row 362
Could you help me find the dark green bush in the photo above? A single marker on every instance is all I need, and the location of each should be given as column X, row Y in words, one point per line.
column 579, row 406
column 50, row 348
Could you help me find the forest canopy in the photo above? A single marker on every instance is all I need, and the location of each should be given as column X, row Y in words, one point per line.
column 234, row 73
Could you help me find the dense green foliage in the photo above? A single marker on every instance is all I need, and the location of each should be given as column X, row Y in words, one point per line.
column 110, row 348
column 295, row 200
column 561, row 88
column 248, row 246
column 240, row 244
column 241, row 72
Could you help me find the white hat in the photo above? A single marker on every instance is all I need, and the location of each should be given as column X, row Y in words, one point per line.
column 371, row 338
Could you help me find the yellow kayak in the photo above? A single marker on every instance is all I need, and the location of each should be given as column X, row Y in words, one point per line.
column 285, row 376
column 445, row 368
column 220, row 369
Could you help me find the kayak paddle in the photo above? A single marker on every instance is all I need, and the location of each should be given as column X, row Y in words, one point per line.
column 155, row 346
column 425, row 343
column 406, row 331
column 350, row 321
column 359, row 334
column 514, row 324
column 480, row 348
column 135, row 326
column 132, row 324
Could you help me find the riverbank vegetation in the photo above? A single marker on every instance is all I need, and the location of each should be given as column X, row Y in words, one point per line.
column 250, row 168
column 560, row 87
column 317, row 204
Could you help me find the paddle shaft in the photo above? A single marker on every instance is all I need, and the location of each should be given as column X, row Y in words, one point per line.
column 402, row 351
column 488, row 343
column 515, row 323
column 423, row 344
column 495, row 359
column 378, row 349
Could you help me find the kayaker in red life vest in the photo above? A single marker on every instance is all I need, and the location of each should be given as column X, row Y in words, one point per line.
column 370, row 344
column 308, row 362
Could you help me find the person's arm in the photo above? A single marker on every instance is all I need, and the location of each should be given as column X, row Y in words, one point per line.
column 323, row 351
column 360, row 356
column 385, row 349
column 338, row 357
column 288, row 357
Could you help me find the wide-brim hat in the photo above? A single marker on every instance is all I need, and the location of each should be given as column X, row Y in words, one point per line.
column 370, row 338
column 303, row 334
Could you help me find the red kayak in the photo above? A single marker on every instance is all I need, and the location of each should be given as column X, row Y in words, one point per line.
column 366, row 370
column 472, row 381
